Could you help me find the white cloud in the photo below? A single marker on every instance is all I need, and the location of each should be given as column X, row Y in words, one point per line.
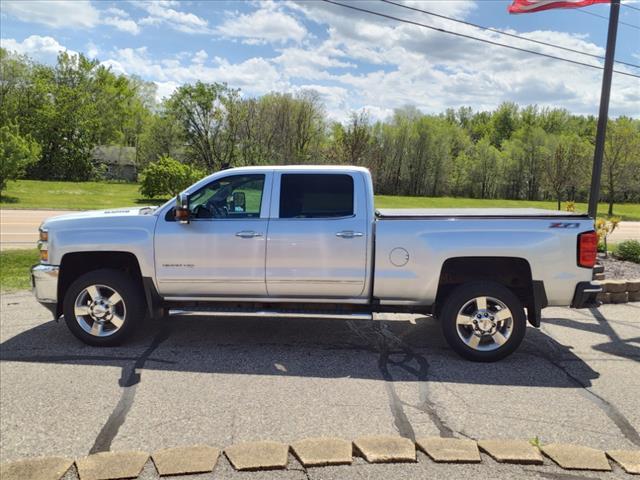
column 265, row 25
column 53, row 13
column 434, row 71
column 44, row 49
column 92, row 50
column 122, row 24
column 255, row 76
column 160, row 13
column 67, row 14
column 121, row 20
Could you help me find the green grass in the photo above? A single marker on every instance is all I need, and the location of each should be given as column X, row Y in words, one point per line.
column 101, row 195
column 72, row 195
column 14, row 269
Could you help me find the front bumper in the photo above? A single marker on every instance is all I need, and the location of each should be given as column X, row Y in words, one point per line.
column 586, row 295
column 44, row 283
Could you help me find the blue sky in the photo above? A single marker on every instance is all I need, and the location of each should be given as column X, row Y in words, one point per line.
column 353, row 60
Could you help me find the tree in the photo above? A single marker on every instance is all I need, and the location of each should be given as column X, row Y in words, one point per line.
column 17, row 152
column 167, row 177
column 621, row 158
column 564, row 168
column 485, row 168
column 206, row 113
column 354, row 139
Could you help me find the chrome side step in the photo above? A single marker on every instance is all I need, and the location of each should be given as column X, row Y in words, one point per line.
column 231, row 312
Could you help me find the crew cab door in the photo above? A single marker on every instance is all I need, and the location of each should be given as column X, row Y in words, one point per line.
column 318, row 236
column 221, row 252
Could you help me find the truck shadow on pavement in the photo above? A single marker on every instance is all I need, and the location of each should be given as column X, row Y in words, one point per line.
column 412, row 350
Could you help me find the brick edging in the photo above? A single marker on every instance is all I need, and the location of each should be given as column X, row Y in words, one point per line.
column 320, row 452
column 619, row 291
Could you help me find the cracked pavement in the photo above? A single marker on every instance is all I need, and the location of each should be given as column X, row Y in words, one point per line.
column 221, row 381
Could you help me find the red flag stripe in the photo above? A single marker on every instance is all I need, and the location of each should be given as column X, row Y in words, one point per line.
column 529, row 6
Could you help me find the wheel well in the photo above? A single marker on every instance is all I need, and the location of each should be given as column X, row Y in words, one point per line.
column 75, row 264
column 514, row 273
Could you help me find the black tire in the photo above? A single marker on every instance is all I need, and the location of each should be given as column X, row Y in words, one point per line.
column 464, row 294
column 129, row 311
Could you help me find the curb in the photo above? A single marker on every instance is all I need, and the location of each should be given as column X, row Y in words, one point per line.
column 319, row 452
column 619, row 291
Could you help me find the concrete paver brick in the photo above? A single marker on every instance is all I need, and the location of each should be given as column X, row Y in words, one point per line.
column 634, row 296
column 453, row 450
column 511, row 451
column 181, row 460
column 386, row 448
column 313, row 452
column 621, row 297
column 577, row 457
column 604, row 297
column 263, row 455
column 111, row 465
column 42, row 468
column 629, row 460
column 614, row 286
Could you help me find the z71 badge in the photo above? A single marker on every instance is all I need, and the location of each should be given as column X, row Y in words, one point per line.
column 564, row 225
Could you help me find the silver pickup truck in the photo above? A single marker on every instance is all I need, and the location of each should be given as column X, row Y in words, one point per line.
column 307, row 242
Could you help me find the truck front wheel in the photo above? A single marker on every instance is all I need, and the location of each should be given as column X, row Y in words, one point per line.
column 483, row 322
column 102, row 307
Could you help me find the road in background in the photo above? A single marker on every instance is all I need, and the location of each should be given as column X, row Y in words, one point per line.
column 19, row 228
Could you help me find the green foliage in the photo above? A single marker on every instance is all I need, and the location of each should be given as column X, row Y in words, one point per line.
column 14, row 269
column 514, row 152
column 628, row 250
column 536, row 442
column 17, row 152
column 70, row 108
column 209, row 126
column 167, row 177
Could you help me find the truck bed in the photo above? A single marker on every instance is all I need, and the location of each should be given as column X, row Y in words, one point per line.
column 425, row 213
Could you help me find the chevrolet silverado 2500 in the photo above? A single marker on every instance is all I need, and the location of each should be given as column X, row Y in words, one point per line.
column 308, row 242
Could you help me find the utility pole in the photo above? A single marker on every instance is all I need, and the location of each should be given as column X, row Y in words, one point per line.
column 596, row 173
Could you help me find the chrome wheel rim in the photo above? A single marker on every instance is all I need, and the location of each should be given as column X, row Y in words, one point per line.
column 100, row 310
column 484, row 323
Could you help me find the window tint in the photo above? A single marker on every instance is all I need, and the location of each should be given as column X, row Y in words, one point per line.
column 237, row 196
column 316, row 195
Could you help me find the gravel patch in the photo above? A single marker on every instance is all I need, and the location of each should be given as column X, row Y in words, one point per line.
column 615, row 269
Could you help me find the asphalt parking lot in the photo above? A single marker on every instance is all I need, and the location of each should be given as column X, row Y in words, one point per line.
column 222, row 381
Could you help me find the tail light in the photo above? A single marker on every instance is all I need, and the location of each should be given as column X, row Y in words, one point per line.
column 587, row 249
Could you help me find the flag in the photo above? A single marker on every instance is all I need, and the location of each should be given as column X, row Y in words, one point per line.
column 528, row 6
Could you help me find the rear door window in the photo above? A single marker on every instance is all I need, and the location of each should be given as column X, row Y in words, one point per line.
column 304, row 195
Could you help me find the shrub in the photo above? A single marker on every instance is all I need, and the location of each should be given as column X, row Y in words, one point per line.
column 604, row 227
column 629, row 250
column 17, row 152
column 167, row 177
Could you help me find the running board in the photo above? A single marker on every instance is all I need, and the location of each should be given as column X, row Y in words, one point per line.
column 231, row 312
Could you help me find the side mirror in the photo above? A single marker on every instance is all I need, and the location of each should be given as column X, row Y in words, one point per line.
column 239, row 202
column 183, row 215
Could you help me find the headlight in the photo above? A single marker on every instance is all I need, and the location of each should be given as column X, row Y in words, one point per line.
column 43, row 245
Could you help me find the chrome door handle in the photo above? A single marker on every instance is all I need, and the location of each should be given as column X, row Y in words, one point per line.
column 349, row 234
column 248, row 234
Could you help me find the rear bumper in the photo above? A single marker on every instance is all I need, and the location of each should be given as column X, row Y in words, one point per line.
column 586, row 295
column 44, row 283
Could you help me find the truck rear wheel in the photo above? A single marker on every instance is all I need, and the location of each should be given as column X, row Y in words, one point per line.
column 102, row 307
column 483, row 322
